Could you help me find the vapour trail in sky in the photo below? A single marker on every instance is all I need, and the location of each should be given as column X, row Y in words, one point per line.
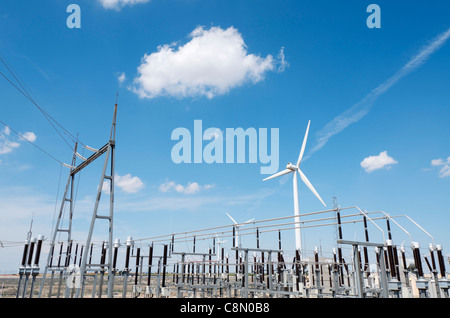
column 362, row 108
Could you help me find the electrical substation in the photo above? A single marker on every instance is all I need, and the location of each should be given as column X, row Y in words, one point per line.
column 235, row 260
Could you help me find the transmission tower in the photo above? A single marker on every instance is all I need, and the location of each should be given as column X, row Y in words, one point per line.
column 108, row 149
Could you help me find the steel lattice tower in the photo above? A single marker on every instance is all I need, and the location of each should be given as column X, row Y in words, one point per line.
column 109, row 150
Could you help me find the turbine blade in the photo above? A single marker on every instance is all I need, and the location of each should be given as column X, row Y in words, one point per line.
column 248, row 221
column 285, row 171
column 310, row 186
column 303, row 145
column 231, row 218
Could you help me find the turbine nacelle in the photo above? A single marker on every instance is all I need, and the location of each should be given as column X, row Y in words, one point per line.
column 290, row 166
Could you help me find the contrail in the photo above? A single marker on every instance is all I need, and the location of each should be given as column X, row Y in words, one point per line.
column 361, row 108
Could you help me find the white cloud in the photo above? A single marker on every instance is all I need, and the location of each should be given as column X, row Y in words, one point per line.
column 119, row 4
column 445, row 170
column 121, row 78
column 210, row 64
column 373, row 163
column 126, row 183
column 30, row 136
column 282, row 61
column 7, row 145
column 190, row 188
column 437, row 162
column 165, row 187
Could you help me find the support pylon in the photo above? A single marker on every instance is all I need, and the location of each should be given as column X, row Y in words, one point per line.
column 109, row 158
column 109, row 150
column 67, row 197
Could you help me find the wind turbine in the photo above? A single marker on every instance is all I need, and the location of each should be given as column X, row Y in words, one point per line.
column 290, row 168
column 219, row 242
column 237, row 226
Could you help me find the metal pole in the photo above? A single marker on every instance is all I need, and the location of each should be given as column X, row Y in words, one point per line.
column 317, row 272
column 111, row 208
column 405, row 267
column 102, row 269
column 366, row 255
column 35, row 268
column 113, row 270
column 340, row 269
column 245, row 277
column 60, row 270
column 52, row 250
column 150, row 261
column 126, row 270
column 138, row 258
column 357, row 268
column 164, row 266
column 269, row 269
column 383, row 274
column 22, row 266
column 57, row 228
column 158, row 280
column 434, row 271
column 29, row 265
column 335, row 274
column 441, row 261
column 421, row 283
column 444, row 282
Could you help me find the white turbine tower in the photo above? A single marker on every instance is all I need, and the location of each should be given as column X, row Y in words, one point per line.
column 219, row 252
column 289, row 169
column 237, row 226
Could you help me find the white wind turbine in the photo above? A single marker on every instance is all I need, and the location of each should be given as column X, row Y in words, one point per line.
column 291, row 168
column 219, row 242
column 237, row 226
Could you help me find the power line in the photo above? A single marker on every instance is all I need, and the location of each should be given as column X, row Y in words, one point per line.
column 36, row 105
column 25, row 92
column 32, row 143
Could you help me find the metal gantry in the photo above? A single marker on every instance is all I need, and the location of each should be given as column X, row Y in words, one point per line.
column 77, row 274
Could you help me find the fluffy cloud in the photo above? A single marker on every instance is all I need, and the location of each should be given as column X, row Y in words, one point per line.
column 119, row 4
column 7, row 145
column 121, row 78
column 445, row 170
column 373, row 163
column 190, row 188
column 126, row 183
column 210, row 64
column 30, row 136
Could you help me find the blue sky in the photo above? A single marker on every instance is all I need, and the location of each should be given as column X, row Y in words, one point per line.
column 331, row 62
